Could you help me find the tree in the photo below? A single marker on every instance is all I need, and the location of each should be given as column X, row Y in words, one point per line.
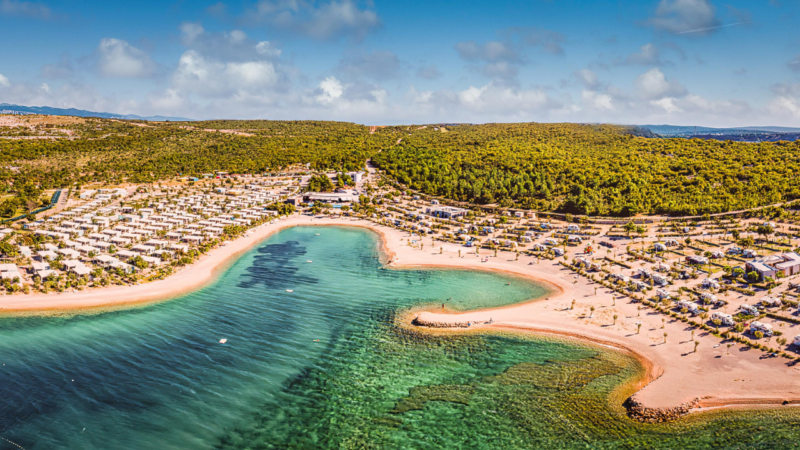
column 344, row 179
column 320, row 183
column 765, row 230
column 592, row 311
column 8, row 208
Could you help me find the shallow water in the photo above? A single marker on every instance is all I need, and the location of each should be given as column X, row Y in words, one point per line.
column 325, row 367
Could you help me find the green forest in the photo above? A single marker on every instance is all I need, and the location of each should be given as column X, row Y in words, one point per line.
column 581, row 169
column 136, row 152
column 593, row 169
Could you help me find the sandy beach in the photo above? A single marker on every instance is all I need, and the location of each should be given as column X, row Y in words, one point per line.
column 720, row 376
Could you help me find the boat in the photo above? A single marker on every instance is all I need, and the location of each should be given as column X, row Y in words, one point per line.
column 289, row 291
column 309, row 261
column 317, row 234
column 222, row 341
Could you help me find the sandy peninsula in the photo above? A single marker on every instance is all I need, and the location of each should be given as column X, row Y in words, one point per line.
column 720, row 376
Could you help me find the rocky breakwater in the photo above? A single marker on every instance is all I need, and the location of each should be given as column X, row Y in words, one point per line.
column 429, row 324
column 639, row 412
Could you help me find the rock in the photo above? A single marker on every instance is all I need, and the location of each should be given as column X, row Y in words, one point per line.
column 637, row 411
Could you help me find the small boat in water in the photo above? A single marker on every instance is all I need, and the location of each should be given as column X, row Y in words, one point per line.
column 309, row 261
column 289, row 291
column 222, row 341
column 317, row 234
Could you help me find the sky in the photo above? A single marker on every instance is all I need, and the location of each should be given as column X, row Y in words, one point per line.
column 683, row 62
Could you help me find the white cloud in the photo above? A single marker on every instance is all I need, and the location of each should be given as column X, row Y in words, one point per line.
column 647, row 55
column 588, row 78
column 653, row 85
column 117, row 58
column 331, row 20
column 208, row 77
column 169, row 100
column 231, row 45
column 25, row 9
column 4, row 81
column 668, row 104
column 786, row 100
column 191, row 31
column 597, row 100
column 491, row 102
column 330, row 89
column 266, row 48
column 252, row 73
column 697, row 17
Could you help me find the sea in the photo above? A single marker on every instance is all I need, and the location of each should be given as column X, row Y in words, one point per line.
column 330, row 366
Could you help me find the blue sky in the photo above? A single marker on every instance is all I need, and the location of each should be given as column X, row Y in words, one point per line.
column 689, row 62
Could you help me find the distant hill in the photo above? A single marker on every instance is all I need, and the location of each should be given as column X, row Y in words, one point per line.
column 6, row 108
column 742, row 134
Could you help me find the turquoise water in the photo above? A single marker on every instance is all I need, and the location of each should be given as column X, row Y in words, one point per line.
column 325, row 367
column 158, row 375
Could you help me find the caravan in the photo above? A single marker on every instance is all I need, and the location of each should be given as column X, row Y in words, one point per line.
column 725, row 319
column 691, row 307
column 749, row 310
column 762, row 327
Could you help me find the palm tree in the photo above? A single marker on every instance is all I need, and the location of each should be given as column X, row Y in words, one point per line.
column 665, row 338
column 573, row 304
column 638, row 327
column 615, row 319
column 695, row 346
column 592, row 312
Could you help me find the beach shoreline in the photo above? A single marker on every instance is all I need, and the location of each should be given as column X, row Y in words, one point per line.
column 674, row 374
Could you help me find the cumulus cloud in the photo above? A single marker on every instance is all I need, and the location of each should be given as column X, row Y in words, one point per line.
column 786, row 100
column 25, row 9
column 4, row 82
column 491, row 101
column 318, row 20
column 227, row 45
column 378, row 66
column 654, row 85
column 430, row 72
column 596, row 100
column 118, row 58
column 210, row 77
column 698, row 17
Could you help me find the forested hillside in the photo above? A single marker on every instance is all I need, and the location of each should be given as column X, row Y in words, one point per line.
column 117, row 151
column 592, row 169
column 584, row 169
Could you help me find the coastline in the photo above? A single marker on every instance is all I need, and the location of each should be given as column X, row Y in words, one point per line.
column 673, row 373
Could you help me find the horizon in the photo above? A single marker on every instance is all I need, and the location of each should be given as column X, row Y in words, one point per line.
column 680, row 62
column 384, row 124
